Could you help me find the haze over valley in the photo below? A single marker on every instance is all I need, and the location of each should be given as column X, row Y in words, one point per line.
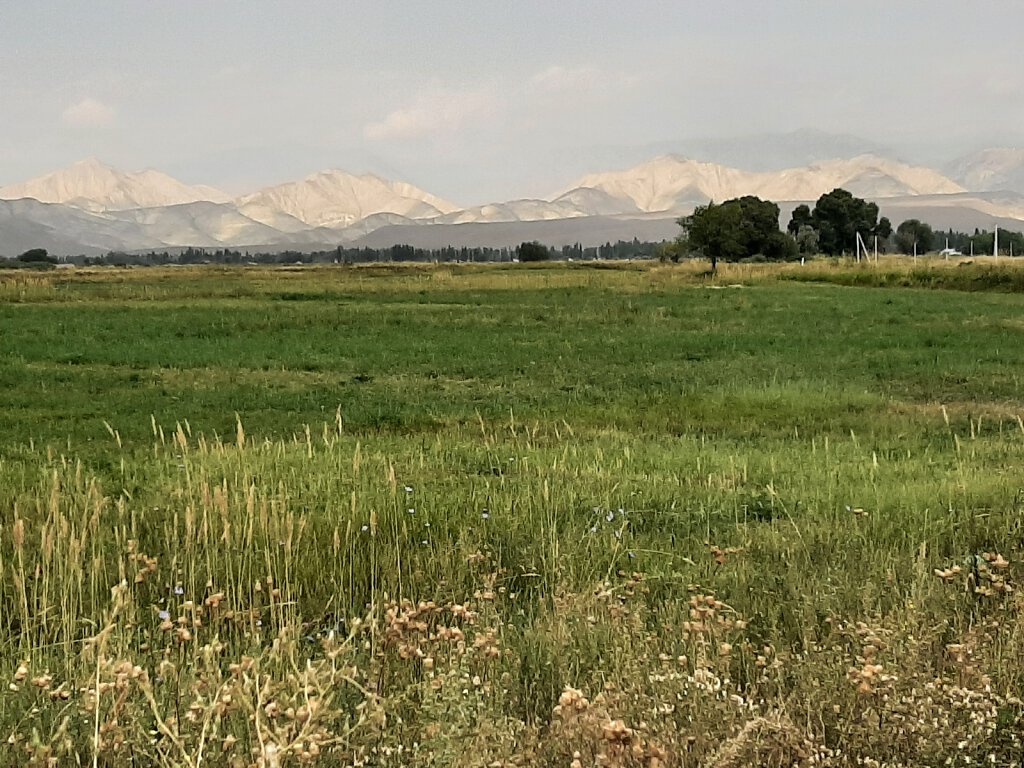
column 92, row 207
column 313, row 126
column 572, row 383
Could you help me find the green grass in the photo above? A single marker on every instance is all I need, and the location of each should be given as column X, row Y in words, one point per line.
column 586, row 452
column 396, row 354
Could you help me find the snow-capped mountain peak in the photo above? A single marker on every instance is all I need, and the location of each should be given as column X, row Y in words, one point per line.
column 337, row 199
column 673, row 183
column 95, row 207
column 92, row 185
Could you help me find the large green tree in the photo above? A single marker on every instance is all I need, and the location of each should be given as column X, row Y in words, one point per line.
column 807, row 240
column 914, row 236
column 801, row 218
column 533, row 251
column 37, row 256
column 736, row 229
column 838, row 216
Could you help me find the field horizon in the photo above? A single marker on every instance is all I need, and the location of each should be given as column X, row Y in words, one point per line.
column 608, row 514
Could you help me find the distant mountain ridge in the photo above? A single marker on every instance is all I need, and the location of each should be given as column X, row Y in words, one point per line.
column 990, row 170
column 767, row 152
column 92, row 185
column 338, row 199
column 672, row 183
column 91, row 207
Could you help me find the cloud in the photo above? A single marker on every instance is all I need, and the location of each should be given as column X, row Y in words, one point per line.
column 438, row 112
column 1003, row 86
column 557, row 79
column 88, row 112
column 233, row 71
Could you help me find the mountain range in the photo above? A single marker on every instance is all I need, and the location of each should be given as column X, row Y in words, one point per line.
column 94, row 186
column 93, row 208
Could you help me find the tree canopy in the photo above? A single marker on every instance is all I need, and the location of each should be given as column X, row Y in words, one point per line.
column 801, row 218
column 914, row 236
column 736, row 229
column 533, row 251
column 37, row 256
column 839, row 216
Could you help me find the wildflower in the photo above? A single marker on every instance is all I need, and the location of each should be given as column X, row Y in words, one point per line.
column 411, row 510
column 179, row 590
column 615, row 731
column 996, row 560
column 42, row 681
column 408, row 489
column 486, row 515
column 164, row 615
column 572, row 699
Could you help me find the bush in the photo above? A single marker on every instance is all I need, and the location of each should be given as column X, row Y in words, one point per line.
column 37, row 256
column 533, row 251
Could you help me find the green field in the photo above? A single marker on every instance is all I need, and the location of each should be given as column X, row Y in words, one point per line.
column 622, row 515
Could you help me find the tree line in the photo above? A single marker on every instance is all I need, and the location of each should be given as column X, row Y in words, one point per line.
column 748, row 228
column 528, row 251
column 744, row 228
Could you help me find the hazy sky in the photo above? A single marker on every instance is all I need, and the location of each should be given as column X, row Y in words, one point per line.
column 479, row 100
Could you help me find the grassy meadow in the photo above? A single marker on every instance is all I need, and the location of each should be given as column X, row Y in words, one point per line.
column 567, row 514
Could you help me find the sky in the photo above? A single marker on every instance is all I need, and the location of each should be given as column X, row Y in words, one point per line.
column 480, row 101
